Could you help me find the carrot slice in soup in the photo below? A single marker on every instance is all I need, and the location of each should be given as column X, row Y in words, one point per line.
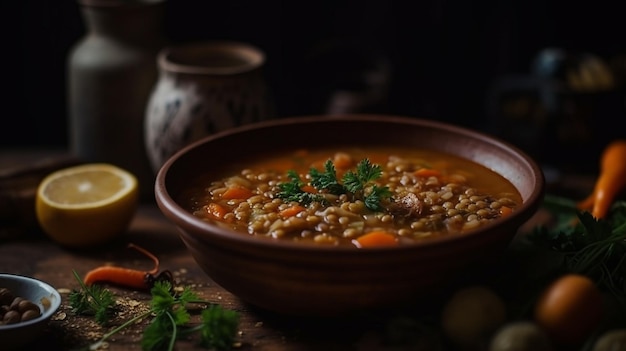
column 427, row 172
column 342, row 160
column 505, row 211
column 375, row 239
column 237, row 193
column 216, row 210
column 309, row 189
column 291, row 211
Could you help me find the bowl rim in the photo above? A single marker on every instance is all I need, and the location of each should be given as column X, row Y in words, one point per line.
column 46, row 314
column 180, row 216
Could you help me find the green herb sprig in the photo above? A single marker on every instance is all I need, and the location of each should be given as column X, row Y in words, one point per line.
column 94, row 301
column 590, row 246
column 357, row 185
column 170, row 317
column 327, row 180
column 292, row 191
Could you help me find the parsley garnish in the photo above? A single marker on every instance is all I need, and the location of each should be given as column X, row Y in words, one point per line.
column 170, row 317
column 357, row 185
column 376, row 196
column 292, row 191
column 327, row 180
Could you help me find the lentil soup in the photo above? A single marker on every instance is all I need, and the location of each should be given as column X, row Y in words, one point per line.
column 360, row 196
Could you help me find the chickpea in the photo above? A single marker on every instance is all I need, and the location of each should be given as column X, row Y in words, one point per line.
column 29, row 314
column 3, row 309
column 6, row 296
column 16, row 301
column 11, row 317
column 15, row 309
column 25, row 306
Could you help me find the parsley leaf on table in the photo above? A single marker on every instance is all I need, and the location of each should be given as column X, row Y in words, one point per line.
column 219, row 327
column 94, row 300
column 170, row 321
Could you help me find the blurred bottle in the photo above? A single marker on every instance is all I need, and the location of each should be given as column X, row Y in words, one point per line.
column 111, row 71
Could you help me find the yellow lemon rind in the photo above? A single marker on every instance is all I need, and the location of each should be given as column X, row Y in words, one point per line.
column 83, row 225
column 130, row 182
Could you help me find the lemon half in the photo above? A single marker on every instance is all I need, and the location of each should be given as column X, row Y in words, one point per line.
column 86, row 205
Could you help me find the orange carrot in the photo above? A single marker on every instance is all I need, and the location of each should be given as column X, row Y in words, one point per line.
column 427, row 172
column 342, row 160
column 375, row 239
column 216, row 210
column 309, row 189
column 291, row 211
column 238, row 193
column 505, row 211
column 610, row 182
column 127, row 277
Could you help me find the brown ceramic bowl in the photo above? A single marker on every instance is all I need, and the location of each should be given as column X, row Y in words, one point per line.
column 296, row 279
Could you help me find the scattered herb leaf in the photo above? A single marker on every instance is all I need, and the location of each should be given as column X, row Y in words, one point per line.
column 94, row 301
column 170, row 317
column 590, row 246
column 219, row 327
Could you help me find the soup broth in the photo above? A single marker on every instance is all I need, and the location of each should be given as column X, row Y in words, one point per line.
column 337, row 196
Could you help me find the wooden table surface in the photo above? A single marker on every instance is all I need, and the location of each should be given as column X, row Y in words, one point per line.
column 31, row 253
column 25, row 250
column 38, row 257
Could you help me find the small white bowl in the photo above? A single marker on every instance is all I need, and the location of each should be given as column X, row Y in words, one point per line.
column 14, row 336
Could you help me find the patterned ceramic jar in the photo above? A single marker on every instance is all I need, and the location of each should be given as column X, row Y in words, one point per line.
column 203, row 88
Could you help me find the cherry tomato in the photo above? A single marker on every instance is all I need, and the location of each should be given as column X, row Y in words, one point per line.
column 570, row 309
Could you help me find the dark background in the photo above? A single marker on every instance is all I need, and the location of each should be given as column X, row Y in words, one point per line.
column 446, row 58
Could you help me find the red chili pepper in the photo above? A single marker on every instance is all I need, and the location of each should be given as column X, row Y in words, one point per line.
column 126, row 277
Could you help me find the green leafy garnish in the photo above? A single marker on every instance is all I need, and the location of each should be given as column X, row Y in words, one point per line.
column 590, row 246
column 171, row 319
column 366, row 173
column 375, row 197
column 327, row 180
column 219, row 327
column 292, row 191
column 357, row 185
column 94, row 301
